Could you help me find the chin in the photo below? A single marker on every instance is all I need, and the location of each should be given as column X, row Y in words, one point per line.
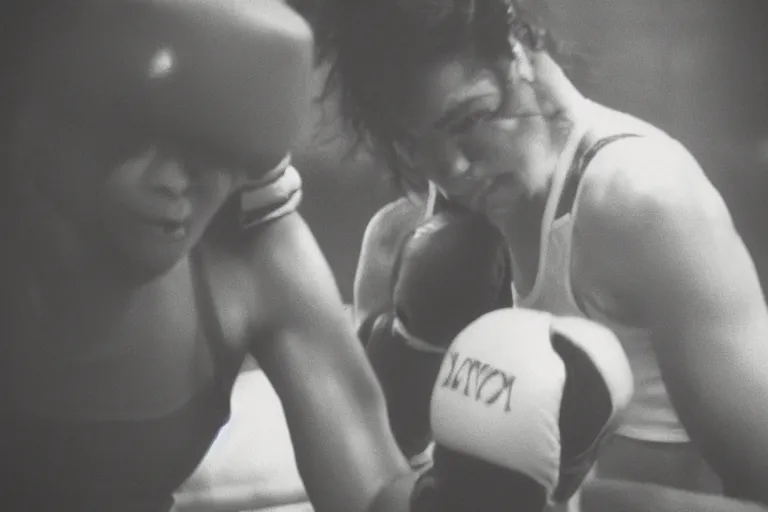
column 142, row 269
column 142, row 264
column 149, row 270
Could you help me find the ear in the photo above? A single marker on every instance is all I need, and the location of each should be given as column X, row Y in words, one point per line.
column 538, row 70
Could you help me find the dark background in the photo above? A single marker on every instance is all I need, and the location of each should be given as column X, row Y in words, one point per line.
column 696, row 68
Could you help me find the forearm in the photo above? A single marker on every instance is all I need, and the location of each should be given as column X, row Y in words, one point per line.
column 724, row 410
column 346, row 469
column 333, row 404
column 338, row 422
column 620, row 496
column 397, row 495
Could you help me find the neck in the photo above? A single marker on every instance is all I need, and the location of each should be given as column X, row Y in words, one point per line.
column 521, row 224
column 556, row 92
column 520, row 219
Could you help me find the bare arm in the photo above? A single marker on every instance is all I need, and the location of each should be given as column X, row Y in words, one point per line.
column 680, row 264
column 619, row 496
column 381, row 241
column 333, row 405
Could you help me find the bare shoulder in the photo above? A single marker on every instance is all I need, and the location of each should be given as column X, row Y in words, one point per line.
column 392, row 222
column 385, row 233
column 636, row 187
column 380, row 245
column 647, row 210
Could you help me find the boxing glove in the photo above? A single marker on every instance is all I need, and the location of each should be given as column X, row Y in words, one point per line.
column 448, row 272
column 225, row 82
column 521, row 405
column 406, row 376
column 452, row 269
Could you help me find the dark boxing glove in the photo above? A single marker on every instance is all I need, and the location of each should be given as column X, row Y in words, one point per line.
column 452, row 269
column 406, row 376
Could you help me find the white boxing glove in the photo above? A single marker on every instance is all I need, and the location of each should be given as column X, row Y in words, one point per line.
column 524, row 396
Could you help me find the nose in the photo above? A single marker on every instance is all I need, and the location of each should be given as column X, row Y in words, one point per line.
column 169, row 177
column 459, row 165
column 457, row 172
column 454, row 163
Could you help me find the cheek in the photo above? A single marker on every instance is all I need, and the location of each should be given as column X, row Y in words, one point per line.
column 70, row 178
column 120, row 185
column 506, row 145
column 123, row 192
column 212, row 191
column 92, row 196
column 431, row 161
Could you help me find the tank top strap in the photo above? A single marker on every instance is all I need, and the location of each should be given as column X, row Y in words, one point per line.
column 225, row 362
column 584, row 155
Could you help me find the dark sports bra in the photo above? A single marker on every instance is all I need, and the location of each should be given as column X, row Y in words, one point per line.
column 135, row 466
column 93, row 466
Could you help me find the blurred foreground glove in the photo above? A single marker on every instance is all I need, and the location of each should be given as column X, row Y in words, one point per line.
column 450, row 270
column 225, row 83
column 520, row 408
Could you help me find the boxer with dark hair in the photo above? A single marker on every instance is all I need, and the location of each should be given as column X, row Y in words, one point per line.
column 151, row 241
column 606, row 217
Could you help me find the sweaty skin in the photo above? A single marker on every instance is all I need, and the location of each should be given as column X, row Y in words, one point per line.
column 598, row 495
column 381, row 242
column 620, row 496
column 657, row 245
column 654, row 246
column 332, row 401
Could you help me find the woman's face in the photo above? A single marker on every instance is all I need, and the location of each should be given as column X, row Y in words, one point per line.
column 480, row 135
column 150, row 202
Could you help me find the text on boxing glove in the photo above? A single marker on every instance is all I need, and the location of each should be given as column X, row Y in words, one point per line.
column 478, row 380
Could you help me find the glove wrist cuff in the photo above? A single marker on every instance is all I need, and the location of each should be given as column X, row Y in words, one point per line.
column 424, row 497
column 414, row 342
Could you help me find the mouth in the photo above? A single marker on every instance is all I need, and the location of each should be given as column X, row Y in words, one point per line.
column 176, row 229
column 173, row 229
column 499, row 191
column 477, row 197
column 171, row 221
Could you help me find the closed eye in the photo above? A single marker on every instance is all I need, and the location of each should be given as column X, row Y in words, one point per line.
column 470, row 121
column 483, row 108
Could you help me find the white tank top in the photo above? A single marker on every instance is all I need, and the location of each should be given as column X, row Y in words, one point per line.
column 651, row 416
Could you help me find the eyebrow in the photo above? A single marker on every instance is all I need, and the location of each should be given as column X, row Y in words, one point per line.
column 460, row 104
